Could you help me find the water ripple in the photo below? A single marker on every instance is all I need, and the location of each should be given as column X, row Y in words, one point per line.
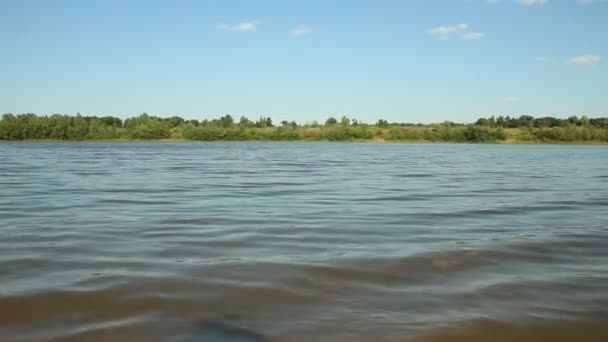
column 301, row 241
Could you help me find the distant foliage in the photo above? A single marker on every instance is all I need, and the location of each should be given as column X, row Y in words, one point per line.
column 477, row 134
column 331, row 121
column 147, row 127
column 543, row 122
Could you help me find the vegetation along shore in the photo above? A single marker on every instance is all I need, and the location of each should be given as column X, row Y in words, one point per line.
column 523, row 129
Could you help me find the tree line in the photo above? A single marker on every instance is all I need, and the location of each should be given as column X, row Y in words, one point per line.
column 148, row 127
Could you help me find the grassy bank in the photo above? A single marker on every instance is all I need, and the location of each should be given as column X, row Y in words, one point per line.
column 524, row 129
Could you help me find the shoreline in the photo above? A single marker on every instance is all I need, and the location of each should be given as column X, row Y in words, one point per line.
column 368, row 141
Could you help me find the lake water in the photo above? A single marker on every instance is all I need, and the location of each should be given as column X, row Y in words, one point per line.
column 303, row 242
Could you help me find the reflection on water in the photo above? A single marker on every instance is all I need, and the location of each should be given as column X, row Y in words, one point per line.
column 302, row 241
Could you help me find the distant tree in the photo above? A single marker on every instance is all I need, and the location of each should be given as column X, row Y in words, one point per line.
column 175, row 121
column 599, row 122
column 245, row 122
column 151, row 130
column 111, row 121
column 482, row 122
column 382, row 123
column 546, row 122
column 264, row 122
column 525, row 120
column 226, row 121
column 331, row 121
column 573, row 120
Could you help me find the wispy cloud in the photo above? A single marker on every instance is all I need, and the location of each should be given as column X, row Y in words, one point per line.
column 472, row 35
column 585, row 60
column 244, row 26
column 460, row 30
column 300, row 30
column 512, row 98
column 531, row 2
column 445, row 31
column 541, row 59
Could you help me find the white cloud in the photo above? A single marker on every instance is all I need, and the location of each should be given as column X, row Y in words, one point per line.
column 585, row 60
column 300, row 30
column 541, row 59
column 531, row 2
column 445, row 31
column 244, row 26
column 472, row 35
column 461, row 30
column 512, row 99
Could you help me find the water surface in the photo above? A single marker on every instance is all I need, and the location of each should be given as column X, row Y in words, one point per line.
column 303, row 242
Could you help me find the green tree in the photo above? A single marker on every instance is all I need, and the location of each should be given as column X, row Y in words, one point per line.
column 331, row 121
column 226, row 121
column 382, row 123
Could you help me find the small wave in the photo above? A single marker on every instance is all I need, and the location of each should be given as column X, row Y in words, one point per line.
column 415, row 175
column 512, row 210
column 556, row 331
column 134, row 201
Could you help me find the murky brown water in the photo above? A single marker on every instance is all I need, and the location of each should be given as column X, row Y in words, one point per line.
column 303, row 242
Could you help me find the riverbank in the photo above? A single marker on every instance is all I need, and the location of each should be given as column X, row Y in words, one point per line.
column 372, row 141
column 146, row 128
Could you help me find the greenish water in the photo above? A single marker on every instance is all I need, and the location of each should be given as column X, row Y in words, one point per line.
column 302, row 242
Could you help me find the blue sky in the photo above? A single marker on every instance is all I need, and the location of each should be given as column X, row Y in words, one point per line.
column 304, row 60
